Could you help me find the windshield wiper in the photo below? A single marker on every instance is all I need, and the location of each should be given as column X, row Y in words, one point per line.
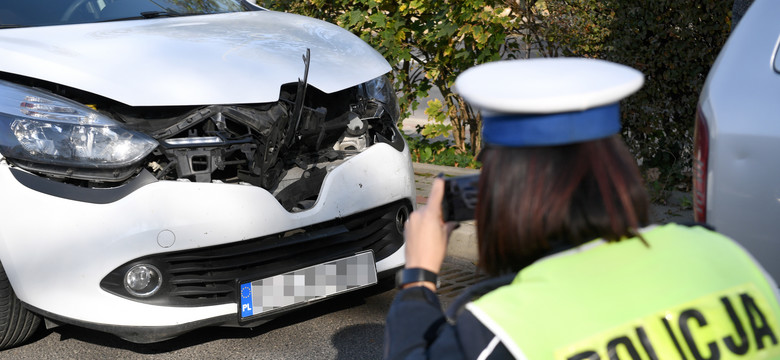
column 156, row 14
column 147, row 15
column 11, row 26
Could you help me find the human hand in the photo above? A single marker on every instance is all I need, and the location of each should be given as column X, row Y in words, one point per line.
column 426, row 234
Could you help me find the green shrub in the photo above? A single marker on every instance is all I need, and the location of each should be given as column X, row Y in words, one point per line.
column 430, row 42
column 674, row 43
column 439, row 152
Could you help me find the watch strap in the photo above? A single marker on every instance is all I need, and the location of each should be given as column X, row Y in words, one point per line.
column 413, row 275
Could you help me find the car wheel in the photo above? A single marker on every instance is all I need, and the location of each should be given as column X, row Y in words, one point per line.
column 17, row 324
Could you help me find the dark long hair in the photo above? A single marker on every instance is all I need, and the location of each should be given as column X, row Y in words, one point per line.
column 534, row 201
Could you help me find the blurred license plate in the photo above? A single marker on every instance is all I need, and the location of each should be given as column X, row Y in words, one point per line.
column 307, row 284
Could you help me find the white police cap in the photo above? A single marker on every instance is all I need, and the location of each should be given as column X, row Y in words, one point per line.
column 548, row 101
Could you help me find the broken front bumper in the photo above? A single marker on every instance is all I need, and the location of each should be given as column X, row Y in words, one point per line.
column 57, row 250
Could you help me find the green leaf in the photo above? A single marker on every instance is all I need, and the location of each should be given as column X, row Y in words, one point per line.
column 355, row 17
column 447, row 30
column 378, row 19
column 426, row 153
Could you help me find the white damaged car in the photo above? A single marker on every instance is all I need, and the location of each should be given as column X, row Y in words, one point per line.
column 172, row 164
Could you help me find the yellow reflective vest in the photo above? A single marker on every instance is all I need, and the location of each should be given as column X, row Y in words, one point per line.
column 691, row 294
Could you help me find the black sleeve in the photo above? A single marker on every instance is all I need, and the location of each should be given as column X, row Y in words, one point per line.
column 477, row 337
column 417, row 328
column 480, row 339
column 415, row 320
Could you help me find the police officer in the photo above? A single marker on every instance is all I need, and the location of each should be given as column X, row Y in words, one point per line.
column 562, row 227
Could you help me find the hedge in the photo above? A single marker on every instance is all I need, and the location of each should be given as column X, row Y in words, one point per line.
column 429, row 42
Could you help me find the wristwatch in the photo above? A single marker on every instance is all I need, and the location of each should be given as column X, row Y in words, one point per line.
column 413, row 275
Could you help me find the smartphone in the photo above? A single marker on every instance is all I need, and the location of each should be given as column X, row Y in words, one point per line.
column 460, row 198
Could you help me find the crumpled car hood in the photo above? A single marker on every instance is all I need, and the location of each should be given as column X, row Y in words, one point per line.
column 233, row 58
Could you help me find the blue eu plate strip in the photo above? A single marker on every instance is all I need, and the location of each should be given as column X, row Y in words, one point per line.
column 246, row 300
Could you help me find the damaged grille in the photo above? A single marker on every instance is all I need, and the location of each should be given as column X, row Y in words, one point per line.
column 209, row 276
column 286, row 147
column 283, row 147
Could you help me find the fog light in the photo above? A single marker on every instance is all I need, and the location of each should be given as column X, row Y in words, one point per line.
column 143, row 280
column 400, row 219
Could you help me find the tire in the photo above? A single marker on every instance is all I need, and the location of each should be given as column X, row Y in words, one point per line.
column 17, row 324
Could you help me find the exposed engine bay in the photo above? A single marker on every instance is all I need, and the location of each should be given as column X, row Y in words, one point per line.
column 286, row 147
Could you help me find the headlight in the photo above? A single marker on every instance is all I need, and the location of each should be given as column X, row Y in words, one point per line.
column 41, row 128
column 381, row 90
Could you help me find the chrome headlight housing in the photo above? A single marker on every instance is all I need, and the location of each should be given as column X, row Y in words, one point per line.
column 44, row 132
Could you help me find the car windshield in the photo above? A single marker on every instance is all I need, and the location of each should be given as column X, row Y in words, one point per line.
column 22, row 13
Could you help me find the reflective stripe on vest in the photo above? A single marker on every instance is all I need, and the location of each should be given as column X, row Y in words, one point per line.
column 692, row 294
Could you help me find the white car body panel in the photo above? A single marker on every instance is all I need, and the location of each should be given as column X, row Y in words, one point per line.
column 106, row 237
column 241, row 172
column 232, row 58
column 740, row 103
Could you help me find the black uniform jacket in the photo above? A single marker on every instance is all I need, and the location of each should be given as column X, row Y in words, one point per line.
column 417, row 328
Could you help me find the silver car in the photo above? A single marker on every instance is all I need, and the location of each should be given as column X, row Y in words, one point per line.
column 737, row 145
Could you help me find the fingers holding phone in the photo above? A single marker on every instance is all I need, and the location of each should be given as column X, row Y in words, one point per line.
column 426, row 234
